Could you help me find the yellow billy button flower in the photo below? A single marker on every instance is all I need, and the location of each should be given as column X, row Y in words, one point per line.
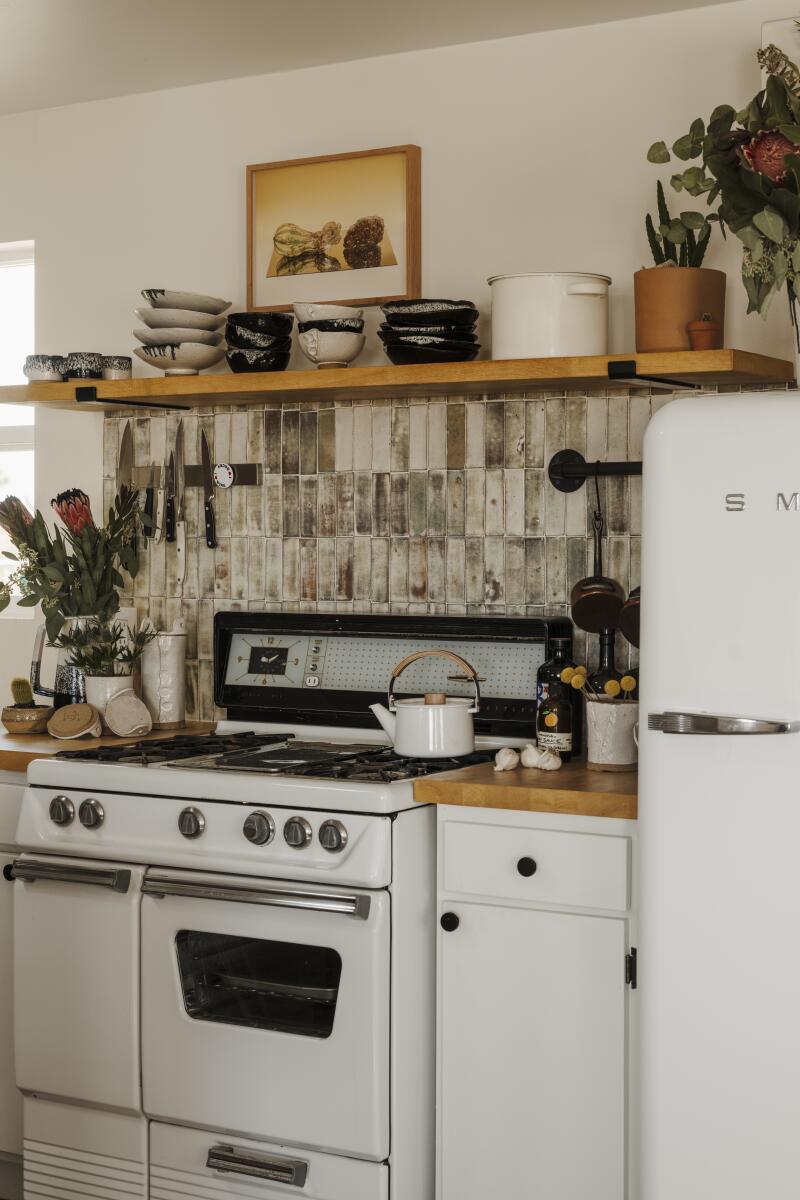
column 612, row 688
column 566, row 674
column 578, row 681
column 628, row 683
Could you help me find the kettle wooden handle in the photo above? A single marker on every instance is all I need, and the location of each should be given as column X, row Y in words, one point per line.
column 456, row 658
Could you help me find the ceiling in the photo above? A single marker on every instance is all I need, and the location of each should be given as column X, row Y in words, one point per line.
column 55, row 52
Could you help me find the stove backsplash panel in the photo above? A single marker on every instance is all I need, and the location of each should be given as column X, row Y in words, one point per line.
column 438, row 505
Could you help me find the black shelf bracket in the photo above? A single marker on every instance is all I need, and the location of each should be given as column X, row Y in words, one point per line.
column 569, row 470
column 88, row 395
column 624, row 371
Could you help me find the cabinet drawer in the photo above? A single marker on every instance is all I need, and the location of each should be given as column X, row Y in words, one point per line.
column 579, row 869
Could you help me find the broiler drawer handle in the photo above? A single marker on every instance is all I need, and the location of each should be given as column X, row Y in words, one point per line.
column 239, row 1161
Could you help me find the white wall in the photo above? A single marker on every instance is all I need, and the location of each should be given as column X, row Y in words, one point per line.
column 533, row 159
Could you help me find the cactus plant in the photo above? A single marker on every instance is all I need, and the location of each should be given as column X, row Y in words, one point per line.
column 681, row 241
column 21, row 693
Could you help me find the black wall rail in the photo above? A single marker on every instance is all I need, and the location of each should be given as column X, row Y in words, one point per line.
column 569, row 470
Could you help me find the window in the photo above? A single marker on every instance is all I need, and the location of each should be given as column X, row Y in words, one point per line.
column 16, row 421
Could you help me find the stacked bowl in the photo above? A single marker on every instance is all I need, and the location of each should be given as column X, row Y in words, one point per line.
column 258, row 341
column 426, row 331
column 181, row 331
column 330, row 335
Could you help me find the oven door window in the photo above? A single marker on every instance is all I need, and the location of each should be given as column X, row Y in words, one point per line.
column 261, row 984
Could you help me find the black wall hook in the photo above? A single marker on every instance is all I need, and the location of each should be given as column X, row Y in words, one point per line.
column 569, row 470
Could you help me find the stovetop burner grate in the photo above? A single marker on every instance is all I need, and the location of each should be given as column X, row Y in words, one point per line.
column 162, row 750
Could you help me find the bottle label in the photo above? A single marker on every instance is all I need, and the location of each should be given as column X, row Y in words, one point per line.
column 542, row 692
column 554, row 739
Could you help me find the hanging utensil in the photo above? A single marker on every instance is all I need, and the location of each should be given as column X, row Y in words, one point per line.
column 180, row 509
column 208, row 490
column 596, row 601
column 125, row 469
column 629, row 618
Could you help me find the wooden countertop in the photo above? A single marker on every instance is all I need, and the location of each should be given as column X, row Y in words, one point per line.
column 573, row 790
column 17, row 750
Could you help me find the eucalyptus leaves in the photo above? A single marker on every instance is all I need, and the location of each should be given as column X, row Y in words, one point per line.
column 750, row 163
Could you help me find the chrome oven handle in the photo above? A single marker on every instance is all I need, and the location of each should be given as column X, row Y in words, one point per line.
column 238, row 1161
column 351, row 906
column 711, row 723
column 30, row 870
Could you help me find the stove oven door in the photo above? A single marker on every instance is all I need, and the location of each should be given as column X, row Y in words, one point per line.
column 265, row 1009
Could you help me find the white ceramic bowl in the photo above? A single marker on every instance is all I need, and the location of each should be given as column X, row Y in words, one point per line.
column 325, row 312
column 163, row 337
column 181, row 358
column 331, row 349
column 177, row 318
column 195, row 301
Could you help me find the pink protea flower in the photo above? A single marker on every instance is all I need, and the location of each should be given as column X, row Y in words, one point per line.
column 74, row 510
column 766, row 152
column 14, row 516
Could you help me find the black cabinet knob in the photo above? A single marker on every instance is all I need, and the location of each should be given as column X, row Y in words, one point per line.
column 527, row 866
column 449, row 922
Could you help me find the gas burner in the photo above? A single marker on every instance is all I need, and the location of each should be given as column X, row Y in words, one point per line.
column 165, row 750
column 384, row 766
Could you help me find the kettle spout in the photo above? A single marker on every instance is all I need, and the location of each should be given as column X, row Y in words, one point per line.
column 387, row 719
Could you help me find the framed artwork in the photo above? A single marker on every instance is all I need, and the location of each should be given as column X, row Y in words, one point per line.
column 338, row 229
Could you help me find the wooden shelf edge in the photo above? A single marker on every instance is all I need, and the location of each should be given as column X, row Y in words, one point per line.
column 483, row 377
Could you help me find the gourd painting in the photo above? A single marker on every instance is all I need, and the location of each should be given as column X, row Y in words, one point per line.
column 298, row 251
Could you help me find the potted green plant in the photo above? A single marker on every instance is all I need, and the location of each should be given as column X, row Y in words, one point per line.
column 105, row 652
column 671, row 293
column 749, row 171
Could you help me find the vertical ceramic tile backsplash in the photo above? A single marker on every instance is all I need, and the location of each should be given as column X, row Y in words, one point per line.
column 438, row 506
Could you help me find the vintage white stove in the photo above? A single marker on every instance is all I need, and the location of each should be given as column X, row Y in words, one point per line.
column 224, row 964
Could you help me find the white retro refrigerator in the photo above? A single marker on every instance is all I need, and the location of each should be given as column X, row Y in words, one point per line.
column 718, row 1096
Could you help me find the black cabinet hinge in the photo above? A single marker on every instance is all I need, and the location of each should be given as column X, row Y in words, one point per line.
column 630, row 968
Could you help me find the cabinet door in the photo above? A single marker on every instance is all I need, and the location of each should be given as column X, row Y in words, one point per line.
column 532, row 1056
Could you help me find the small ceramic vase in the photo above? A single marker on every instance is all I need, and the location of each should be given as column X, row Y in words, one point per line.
column 164, row 678
column 101, row 688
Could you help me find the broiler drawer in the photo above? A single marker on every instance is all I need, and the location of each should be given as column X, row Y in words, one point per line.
column 522, row 863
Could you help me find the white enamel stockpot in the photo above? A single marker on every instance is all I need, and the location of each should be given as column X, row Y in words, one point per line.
column 433, row 725
column 549, row 315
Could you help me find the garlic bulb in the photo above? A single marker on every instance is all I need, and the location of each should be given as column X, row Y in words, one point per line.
column 506, row 759
column 542, row 760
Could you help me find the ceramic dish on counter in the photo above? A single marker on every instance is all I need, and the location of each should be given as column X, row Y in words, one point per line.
column 194, row 301
column 331, row 349
column 244, row 361
column 176, row 318
column 166, row 337
column 180, row 358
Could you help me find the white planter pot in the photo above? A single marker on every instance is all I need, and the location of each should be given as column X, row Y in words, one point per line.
column 549, row 315
column 611, row 744
column 100, row 689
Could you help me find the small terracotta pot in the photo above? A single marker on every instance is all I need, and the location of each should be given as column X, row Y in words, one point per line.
column 705, row 335
column 668, row 298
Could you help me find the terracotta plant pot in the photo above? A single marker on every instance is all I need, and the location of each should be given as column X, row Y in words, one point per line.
column 705, row 335
column 668, row 298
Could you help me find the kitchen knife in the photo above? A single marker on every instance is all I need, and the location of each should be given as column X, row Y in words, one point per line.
column 149, row 506
column 180, row 511
column 208, row 490
column 125, row 468
column 169, row 517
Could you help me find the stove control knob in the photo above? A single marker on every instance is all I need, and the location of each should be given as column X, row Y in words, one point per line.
column 91, row 814
column 62, row 810
column 191, row 822
column 297, row 832
column 259, row 828
column 332, row 836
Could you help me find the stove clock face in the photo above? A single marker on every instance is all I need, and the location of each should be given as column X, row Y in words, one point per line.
column 258, row 661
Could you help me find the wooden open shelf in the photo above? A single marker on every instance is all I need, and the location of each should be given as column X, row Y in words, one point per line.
column 485, row 377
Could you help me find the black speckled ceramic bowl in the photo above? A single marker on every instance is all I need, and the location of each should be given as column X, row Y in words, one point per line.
column 402, row 337
column 84, row 364
column 241, row 338
column 336, row 325
column 244, row 361
column 278, row 324
column 403, row 356
column 430, row 312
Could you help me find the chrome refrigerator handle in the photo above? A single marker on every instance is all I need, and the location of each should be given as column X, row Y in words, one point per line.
column 687, row 722
column 239, row 1161
column 29, row 871
column 331, row 902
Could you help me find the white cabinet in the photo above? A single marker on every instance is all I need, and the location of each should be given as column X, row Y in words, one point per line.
column 532, row 1012
column 10, row 1099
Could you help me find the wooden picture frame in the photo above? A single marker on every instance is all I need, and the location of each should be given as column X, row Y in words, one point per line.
column 275, row 279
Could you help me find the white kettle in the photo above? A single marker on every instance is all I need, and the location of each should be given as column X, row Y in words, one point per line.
column 433, row 725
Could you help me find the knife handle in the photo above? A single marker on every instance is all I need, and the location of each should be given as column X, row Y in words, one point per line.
column 149, row 503
column 169, row 520
column 211, row 533
column 158, row 532
column 180, row 553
